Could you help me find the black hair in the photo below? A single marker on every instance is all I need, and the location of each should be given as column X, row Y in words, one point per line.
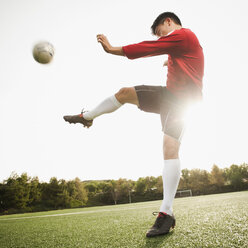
column 161, row 18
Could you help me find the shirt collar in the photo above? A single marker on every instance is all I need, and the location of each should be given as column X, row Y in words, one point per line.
column 170, row 32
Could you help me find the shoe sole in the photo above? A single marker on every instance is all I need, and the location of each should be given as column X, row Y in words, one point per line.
column 71, row 122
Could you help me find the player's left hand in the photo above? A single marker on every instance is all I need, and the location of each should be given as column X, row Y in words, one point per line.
column 104, row 42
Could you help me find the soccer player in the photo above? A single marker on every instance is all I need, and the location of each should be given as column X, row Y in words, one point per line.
column 184, row 86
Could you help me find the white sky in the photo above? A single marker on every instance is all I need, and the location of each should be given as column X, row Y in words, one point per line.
column 128, row 143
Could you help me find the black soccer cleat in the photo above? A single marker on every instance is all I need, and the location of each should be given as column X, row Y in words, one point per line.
column 78, row 119
column 162, row 225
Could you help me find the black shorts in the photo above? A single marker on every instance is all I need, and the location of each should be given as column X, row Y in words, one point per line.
column 158, row 99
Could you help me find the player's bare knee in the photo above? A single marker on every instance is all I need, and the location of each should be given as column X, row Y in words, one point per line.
column 170, row 153
column 171, row 147
column 123, row 95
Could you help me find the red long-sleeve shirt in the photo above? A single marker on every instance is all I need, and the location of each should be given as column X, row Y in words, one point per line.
column 185, row 60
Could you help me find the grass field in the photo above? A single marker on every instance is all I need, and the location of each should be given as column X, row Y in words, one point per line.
column 219, row 220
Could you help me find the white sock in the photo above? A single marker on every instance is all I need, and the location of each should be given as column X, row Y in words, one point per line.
column 171, row 177
column 109, row 105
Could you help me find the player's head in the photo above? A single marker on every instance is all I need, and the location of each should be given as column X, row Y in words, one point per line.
column 168, row 17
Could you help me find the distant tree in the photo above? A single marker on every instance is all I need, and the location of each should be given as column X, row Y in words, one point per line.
column 51, row 193
column 140, row 186
column 1, row 197
column 159, row 184
column 63, row 198
column 184, row 182
column 105, row 194
column 151, row 183
column 91, row 187
column 217, row 176
column 145, row 184
column 35, row 192
column 16, row 193
column 237, row 175
column 244, row 172
column 114, row 190
column 64, row 194
column 199, row 180
column 81, row 193
column 125, row 188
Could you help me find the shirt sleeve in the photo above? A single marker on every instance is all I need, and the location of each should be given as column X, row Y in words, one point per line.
column 173, row 43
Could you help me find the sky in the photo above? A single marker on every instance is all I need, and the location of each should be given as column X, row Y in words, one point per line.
column 127, row 143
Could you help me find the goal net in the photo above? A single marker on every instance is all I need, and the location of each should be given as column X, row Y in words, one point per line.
column 184, row 193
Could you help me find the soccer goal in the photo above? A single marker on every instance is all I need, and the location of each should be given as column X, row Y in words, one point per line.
column 184, row 193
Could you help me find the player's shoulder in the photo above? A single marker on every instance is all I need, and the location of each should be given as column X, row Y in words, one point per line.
column 185, row 31
column 182, row 32
column 177, row 34
column 188, row 35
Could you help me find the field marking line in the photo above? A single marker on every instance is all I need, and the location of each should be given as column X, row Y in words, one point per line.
column 81, row 212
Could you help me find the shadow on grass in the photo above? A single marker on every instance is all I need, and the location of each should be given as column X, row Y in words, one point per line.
column 157, row 241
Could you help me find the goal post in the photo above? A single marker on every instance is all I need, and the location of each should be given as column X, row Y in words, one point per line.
column 184, row 193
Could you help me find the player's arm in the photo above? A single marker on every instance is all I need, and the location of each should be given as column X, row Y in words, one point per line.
column 107, row 46
column 171, row 44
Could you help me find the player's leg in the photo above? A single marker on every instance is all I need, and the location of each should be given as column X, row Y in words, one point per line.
column 173, row 127
column 170, row 176
column 171, row 147
column 112, row 103
column 108, row 105
column 127, row 95
column 171, row 172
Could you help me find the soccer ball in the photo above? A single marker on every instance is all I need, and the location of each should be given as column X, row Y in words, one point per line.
column 43, row 52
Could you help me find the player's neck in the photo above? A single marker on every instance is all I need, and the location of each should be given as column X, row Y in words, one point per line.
column 171, row 30
column 174, row 27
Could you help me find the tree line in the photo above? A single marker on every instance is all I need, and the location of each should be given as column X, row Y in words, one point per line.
column 21, row 193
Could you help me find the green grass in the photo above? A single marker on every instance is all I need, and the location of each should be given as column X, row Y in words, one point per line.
column 205, row 221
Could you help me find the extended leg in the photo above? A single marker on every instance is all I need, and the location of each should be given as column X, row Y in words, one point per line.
column 109, row 105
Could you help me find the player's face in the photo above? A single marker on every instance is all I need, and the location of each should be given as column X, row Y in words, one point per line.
column 163, row 28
